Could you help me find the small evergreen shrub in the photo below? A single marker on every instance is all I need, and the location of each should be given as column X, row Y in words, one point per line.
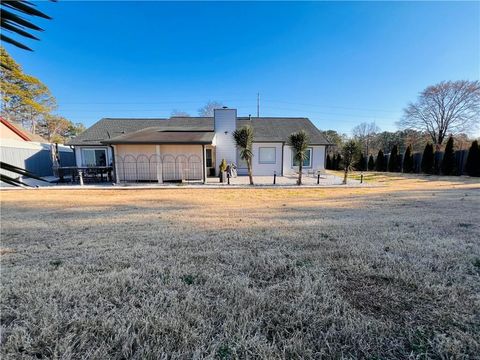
column 339, row 162
column 371, row 163
column 448, row 162
column 393, row 160
column 223, row 165
column 329, row 162
column 380, row 163
column 360, row 165
column 428, row 159
column 473, row 160
column 408, row 160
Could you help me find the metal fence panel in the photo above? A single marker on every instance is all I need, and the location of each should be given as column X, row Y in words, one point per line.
column 35, row 158
column 169, row 167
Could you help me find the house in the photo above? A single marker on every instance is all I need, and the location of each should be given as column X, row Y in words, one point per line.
column 29, row 151
column 9, row 131
column 192, row 148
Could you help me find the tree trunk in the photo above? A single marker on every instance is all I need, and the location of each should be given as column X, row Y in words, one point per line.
column 249, row 166
column 300, row 169
column 345, row 176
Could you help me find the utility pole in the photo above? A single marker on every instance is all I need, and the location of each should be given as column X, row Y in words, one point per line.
column 258, row 105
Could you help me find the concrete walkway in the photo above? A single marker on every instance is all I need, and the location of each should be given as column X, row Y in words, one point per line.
column 325, row 180
column 238, row 182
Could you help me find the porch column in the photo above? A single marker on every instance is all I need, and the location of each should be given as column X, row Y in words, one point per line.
column 159, row 164
column 204, row 162
column 115, row 166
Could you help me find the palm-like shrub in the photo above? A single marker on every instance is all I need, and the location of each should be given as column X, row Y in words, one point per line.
column 244, row 140
column 448, row 162
column 473, row 160
column 19, row 171
column 299, row 142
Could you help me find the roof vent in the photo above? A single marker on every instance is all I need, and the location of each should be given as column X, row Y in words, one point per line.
column 224, row 107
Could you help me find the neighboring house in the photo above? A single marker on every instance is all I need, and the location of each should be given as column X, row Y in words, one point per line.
column 21, row 148
column 192, row 148
column 9, row 131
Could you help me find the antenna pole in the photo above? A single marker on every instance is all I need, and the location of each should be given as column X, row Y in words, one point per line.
column 258, row 105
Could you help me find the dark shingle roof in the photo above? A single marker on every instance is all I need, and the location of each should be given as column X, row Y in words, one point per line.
column 266, row 129
column 158, row 135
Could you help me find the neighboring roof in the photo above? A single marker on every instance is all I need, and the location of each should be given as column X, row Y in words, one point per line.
column 158, row 135
column 266, row 129
column 21, row 132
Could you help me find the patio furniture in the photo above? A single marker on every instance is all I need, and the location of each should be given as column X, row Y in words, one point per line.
column 89, row 173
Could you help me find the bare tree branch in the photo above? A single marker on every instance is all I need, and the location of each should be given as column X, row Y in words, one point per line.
column 447, row 107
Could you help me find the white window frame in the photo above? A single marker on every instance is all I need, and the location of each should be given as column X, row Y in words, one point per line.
column 310, row 162
column 274, row 155
column 93, row 149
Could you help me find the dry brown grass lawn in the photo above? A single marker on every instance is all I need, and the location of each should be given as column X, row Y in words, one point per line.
column 380, row 272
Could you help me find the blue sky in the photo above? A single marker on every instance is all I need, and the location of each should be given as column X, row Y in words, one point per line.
column 339, row 64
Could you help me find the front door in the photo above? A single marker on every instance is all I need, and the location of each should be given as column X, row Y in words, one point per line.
column 210, row 162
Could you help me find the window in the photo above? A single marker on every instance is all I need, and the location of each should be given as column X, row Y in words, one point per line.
column 267, row 155
column 94, row 157
column 307, row 162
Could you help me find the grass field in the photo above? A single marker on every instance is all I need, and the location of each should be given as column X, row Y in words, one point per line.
column 380, row 272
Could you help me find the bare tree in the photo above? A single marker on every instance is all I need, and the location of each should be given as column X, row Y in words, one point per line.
column 450, row 106
column 364, row 134
column 350, row 152
column 207, row 109
column 176, row 112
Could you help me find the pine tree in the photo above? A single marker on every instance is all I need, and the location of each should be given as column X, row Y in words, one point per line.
column 380, row 163
column 393, row 160
column 428, row 159
column 408, row 160
column 371, row 163
column 329, row 162
column 361, row 163
column 473, row 160
column 448, row 162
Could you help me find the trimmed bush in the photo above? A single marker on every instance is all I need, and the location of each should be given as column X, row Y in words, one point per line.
column 428, row 159
column 329, row 162
column 360, row 165
column 448, row 162
column 380, row 163
column 393, row 160
column 371, row 163
column 339, row 164
column 473, row 160
column 408, row 160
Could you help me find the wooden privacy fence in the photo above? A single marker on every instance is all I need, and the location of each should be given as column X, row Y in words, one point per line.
column 153, row 168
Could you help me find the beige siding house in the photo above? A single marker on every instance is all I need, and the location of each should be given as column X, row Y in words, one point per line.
column 192, row 148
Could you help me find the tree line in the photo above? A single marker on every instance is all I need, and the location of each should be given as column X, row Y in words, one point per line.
column 432, row 162
column 449, row 107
